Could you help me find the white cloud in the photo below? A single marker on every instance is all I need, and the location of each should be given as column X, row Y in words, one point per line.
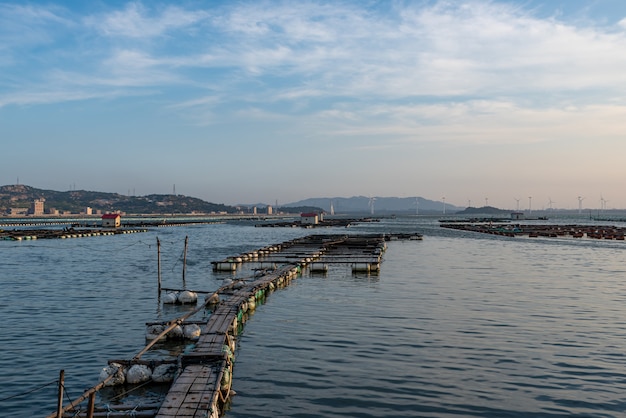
column 135, row 21
column 321, row 54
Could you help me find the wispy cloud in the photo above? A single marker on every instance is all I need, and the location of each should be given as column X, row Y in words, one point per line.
column 406, row 66
column 138, row 21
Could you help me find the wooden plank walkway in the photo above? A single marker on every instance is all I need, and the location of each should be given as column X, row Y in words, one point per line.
column 203, row 385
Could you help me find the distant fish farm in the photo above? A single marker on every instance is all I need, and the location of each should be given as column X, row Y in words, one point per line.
column 607, row 232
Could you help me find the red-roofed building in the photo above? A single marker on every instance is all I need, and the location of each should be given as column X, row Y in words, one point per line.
column 111, row 220
column 309, row 218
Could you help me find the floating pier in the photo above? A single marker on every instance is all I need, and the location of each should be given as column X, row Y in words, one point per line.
column 202, row 380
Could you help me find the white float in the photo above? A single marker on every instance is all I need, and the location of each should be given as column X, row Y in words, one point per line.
column 138, row 373
column 117, row 371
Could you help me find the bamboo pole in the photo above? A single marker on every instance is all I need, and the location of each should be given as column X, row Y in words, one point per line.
column 82, row 397
column 185, row 261
column 92, row 404
column 60, row 399
column 159, row 264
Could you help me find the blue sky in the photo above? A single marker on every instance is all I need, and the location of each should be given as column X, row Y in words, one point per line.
column 265, row 101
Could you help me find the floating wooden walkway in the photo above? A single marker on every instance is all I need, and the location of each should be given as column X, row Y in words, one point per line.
column 203, row 380
column 203, row 386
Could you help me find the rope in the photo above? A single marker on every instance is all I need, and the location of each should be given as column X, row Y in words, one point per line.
column 130, row 391
column 29, row 391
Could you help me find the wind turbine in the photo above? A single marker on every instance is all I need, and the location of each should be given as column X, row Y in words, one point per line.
column 517, row 207
column 602, row 203
column 444, row 204
column 417, row 206
column 530, row 198
column 580, row 204
column 486, row 201
column 550, row 202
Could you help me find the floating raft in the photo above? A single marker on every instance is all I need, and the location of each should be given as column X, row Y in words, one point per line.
column 548, row 231
column 202, row 386
column 32, row 234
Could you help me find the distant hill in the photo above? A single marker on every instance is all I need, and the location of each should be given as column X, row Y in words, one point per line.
column 485, row 210
column 75, row 201
column 382, row 205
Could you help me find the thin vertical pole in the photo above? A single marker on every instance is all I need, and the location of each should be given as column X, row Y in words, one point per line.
column 91, row 405
column 185, row 261
column 159, row 263
column 60, row 400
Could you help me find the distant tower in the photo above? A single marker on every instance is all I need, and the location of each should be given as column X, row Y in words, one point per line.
column 444, row 205
column 174, row 190
column 580, row 204
column 36, row 207
column 371, row 204
column 332, row 208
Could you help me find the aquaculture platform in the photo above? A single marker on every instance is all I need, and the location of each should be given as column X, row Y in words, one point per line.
column 202, row 380
column 32, row 234
column 608, row 232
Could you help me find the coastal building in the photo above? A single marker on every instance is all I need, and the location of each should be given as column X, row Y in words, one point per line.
column 309, row 218
column 18, row 211
column 113, row 220
column 517, row 215
column 37, row 207
column 269, row 209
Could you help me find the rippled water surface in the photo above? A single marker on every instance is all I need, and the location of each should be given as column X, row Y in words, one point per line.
column 454, row 325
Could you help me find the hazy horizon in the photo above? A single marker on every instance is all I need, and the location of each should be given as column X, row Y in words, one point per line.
column 472, row 101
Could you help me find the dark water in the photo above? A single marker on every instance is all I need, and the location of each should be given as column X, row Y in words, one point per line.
column 455, row 325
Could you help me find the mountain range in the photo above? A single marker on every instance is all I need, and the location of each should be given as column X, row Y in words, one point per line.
column 20, row 197
column 377, row 205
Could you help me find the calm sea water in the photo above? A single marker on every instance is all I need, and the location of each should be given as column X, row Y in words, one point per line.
column 455, row 325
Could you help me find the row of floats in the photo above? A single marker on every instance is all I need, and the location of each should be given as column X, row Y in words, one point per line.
column 314, row 259
column 231, row 263
column 545, row 231
column 27, row 235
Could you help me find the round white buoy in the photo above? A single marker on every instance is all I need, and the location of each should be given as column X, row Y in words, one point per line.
column 138, row 373
column 153, row 331
column 176, row 333
column 164, row 373
column 117, row 371
column 187, row 297
column 192, row 331
column 170, row 298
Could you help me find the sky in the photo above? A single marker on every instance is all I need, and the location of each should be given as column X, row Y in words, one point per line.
column 510, row 104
